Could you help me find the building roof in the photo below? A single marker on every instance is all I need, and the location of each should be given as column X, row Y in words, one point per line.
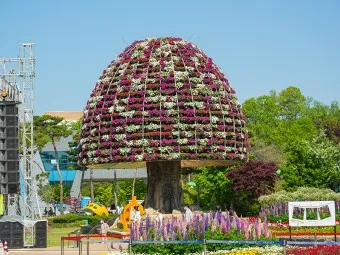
column 67, row 115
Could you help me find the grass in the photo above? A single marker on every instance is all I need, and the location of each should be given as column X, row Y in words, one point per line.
column 54, row 235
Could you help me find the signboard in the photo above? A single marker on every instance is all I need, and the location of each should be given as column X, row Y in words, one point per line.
column 311, row 213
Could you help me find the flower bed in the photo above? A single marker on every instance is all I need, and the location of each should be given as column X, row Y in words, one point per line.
column 210, row 226
column 317, row 250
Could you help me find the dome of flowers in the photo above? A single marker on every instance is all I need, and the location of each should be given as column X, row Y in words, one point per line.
column 162, row 99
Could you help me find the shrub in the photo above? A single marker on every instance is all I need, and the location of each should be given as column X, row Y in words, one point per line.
column 77, row 219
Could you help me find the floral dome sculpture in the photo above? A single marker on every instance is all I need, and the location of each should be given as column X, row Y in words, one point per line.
column 162, row 104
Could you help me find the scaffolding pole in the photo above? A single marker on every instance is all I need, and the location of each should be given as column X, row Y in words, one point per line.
column 19, row 81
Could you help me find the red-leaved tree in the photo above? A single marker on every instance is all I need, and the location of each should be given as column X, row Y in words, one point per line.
column 255, row 178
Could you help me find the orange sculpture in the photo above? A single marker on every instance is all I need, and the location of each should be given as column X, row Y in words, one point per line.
column 125, row 218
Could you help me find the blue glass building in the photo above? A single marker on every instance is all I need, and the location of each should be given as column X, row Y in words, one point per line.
column 50, row 166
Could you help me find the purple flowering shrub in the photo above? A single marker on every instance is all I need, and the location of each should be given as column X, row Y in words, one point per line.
column 162, row 99
column 209, row 226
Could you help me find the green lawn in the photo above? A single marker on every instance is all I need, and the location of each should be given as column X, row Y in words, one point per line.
column 54, row 235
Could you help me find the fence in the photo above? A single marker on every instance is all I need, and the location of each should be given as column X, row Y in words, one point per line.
column 91, row 239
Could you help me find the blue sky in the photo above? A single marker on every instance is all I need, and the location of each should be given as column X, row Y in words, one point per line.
column 260, row 45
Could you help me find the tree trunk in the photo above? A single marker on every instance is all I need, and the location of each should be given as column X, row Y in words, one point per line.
column 60, row 177
column 115, row 188
column 91, row 185
column 164, row 189
column 134, row 183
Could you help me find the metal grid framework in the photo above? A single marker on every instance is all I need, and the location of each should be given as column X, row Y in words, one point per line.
column 19, row 75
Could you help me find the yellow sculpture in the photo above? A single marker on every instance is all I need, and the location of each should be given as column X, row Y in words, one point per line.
column 97, row 209
column 125, row 217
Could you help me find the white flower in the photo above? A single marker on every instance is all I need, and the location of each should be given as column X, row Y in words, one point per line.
column 132, row 128
column 175, row 133
column 152, row 92
column 139, row 157
column 84, row 140
column 220, row 134
column 228, row 149
column 181, row 126
column 105, row 137
column 189, row 104
column 228, row 120
column 169, row 105
column 190, row 68
column 125, row 100
column 215, row 99
column 203, row 141
column 171, row 112
column 149, row 150
column 128, row 114
column 129, row 143
column 175, row 155
column 120, row 108
column 93, row 131
column 199, row 105
column 135, row 81
column 166, row 149
column 214, row 148
column 188, row 134
column 150, row 80
column 195, row 80
column 106, row 79
column 181, row 75
column 193, row 147
column 154, row 99
column 169, row 68
column 153, row 126
column 195, row 59
column 214, row 119
column 93, row 145
column 111, row 109
column 118, row 129
column 120, row 137
column 92, row 105
column 182, row 141
column 179, row 85
column 124, row 151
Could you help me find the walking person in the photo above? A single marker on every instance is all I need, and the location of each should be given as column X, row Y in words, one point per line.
column 188, row 214
column 104, row 227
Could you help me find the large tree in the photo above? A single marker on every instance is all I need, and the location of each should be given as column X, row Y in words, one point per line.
column 51, row 129
column 280, row 119
column 314, row 163
column 214, row 187
column 162, row 104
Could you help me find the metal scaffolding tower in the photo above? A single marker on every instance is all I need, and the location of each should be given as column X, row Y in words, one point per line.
column 18, row 75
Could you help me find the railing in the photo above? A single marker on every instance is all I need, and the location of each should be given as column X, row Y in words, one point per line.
column 88, row 239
